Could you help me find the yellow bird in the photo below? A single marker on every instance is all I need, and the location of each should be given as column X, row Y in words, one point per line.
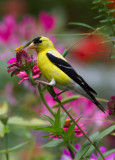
column 56, row 69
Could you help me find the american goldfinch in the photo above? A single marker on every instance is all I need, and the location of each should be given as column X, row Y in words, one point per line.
column 56, row 69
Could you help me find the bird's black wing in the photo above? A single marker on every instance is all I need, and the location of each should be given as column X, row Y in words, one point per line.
column 68, row 69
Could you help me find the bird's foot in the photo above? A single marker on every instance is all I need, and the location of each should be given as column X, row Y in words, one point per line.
column 52, row 83
column 41, row 82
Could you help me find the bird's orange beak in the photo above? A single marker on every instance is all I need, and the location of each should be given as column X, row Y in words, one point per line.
column 32, row 46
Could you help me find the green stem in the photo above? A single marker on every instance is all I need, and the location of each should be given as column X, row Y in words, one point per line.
column 71, row 152
column 6, row 146
column 72, row 147
column 99, row 151
column 44, row 101
column 74, row 98
column 73, row 119
column 79, row 128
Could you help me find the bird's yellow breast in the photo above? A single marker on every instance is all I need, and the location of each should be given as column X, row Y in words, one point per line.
column 50, row 70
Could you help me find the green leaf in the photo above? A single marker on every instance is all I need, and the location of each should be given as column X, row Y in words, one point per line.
column 51, row 91
column 107, row 2
column 107, row 153
column 53, row 143
column 96, row 1
column 99, row 16
column 112, row 57
column 48, row 118
column 35, row 122
column 111, row 10
column 85, row 147
column 97, row 138
column 105, row 133
column 14, row 148
column 82, row 151
column 81, row 24
column 62, row 119
column 57, row 119
column 46, row 136
column 65, row 52
column 70, row 132
column 56, row 131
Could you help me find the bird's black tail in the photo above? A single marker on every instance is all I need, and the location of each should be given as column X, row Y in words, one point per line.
column 93, row 99
column 98, row 105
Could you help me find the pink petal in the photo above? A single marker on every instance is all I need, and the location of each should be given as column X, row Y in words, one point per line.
column 12, row 60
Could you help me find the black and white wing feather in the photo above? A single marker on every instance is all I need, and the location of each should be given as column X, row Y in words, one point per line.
column 68, row 69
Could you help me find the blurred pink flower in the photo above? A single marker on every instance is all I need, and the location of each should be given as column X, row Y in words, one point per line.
column 23, row 75
column 28, row 28
column 8, row 29
column 68, row 123
column 85, row 108
column 103, row 150
column 47, row 21
column 111, row 105
column 67, row 156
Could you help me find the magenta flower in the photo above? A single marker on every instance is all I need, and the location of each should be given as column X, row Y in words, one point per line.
column 47, row 21
column 7, row 28
column 67, row 156
column 103, row 150
column 85, row 108
column 28, row 27
column 23, row 75
column 21, row 64
column 111, row 106
column 68, row 123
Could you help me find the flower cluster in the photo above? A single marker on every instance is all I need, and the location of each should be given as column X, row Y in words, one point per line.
column 21, row 64
column 68, row 123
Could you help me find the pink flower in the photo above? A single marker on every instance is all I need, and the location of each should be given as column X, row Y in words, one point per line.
column 103, row 150
column 12, row 60
column 28, row 27
column 111, row 106
column 47, row 21
column 68, row 123
column 67, row 156
column 85, row 108
column 21, row 63
column 23, row 75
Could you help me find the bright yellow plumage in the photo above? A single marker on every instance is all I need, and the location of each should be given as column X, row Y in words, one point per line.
column 55, row 68
column 48, row 69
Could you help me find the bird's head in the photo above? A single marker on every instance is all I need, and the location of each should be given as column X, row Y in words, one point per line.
column 41, row 44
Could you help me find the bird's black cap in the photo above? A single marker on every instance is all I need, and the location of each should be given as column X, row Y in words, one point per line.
column 37, row 40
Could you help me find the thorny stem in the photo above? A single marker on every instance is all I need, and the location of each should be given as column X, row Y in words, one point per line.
column 44, row 101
